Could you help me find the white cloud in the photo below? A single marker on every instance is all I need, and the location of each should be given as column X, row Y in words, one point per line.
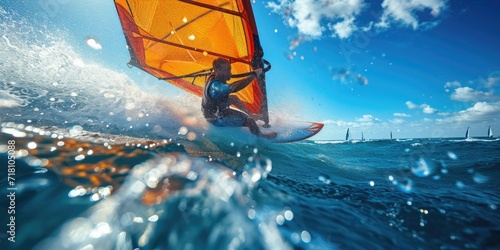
column 307, row 15
column 411, row 105
column 454, row 84
column 451, row 85
column 342, row 17
column 401, row 115
column 365, row 118
column 405, row 12
column 343, row 29
column 481, row 111
column 467, row 94
column 397, row 121
column 426, row 108
column 493, row 79
column 365, row 121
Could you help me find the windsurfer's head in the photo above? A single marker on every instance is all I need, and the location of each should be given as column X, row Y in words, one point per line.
column 222, row 69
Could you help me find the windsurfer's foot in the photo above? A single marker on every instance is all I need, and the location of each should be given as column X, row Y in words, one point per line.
column 269, row 136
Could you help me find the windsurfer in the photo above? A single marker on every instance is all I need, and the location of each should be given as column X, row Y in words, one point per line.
column 217, row 100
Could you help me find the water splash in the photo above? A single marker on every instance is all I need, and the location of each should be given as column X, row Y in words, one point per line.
column 164, row 195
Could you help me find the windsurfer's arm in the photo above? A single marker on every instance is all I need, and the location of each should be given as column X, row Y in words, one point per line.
column 241, row 84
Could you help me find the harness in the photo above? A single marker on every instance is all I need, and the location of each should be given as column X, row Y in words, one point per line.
column 212, row 109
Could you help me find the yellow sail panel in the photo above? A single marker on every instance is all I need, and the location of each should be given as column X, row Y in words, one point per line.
column 176, row 39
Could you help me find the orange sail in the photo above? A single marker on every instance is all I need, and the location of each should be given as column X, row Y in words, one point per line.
column 177, row 40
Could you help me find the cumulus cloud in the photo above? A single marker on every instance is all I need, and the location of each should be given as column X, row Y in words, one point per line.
column 401, row 115
column 343, row 29
column 426, row 108
column 308, row 16
column 342, row 18
column 406, row 12
column 411, row 105
column 467, row 94
column 367, row 118
column 481, row 111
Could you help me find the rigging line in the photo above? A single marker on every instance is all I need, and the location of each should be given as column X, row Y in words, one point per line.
column 218, row 8
column 130, row 9
column 188, row 23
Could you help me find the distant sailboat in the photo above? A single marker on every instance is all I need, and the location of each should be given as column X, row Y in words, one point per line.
column 347, row 135
column 391, row 135
column 362, row 137
column 490, row 132
column 467, row 135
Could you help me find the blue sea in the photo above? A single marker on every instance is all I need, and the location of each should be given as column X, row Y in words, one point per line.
column 92, row 159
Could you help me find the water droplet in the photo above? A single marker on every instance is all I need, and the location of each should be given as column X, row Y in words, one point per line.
column 305, row 236
column 480, row 178
column 91, row 42
column 76, row 130
column 421, row 168
column 153, row 218
column 452, row 155
column 32, row 145
column 324, row 178
column 280, row 219
column 183, row 130
column 405, row 185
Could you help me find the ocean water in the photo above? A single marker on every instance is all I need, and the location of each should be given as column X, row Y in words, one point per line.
column 102, row 164
column 84, row 189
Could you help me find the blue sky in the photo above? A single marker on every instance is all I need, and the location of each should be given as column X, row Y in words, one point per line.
column 420, row 68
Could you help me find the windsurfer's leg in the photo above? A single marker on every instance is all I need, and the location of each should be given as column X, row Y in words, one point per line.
column 241, row 119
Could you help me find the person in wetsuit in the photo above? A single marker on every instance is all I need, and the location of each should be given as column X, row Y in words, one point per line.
column 217, row 100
